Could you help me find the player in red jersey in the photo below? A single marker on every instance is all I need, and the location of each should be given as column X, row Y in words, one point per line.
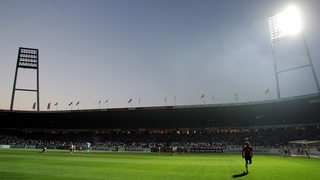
column 247, row 155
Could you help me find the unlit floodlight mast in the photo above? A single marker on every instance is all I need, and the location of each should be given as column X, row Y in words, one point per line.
column 28, row 58
column 281, row 26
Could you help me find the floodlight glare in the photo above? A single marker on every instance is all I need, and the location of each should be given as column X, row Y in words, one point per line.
column 290, row 21
column 285, row 23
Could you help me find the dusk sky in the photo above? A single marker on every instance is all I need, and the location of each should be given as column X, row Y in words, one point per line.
column 153, row 50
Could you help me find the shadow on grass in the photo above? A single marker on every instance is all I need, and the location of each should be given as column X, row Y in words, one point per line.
column 239, row 175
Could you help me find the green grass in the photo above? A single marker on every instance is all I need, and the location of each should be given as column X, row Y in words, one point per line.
column 59, row 164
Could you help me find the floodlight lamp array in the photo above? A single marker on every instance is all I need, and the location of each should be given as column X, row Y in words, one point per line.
column 28, row 58
column 275, row 29
column 285, row 23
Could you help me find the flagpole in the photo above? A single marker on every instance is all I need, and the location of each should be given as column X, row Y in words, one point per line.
column 130, row 102
column 34, row 106
column 236, row 96
column 71, row 104
column 267, row 91
column 48, row 106
column 56, row 105
column 107, row 101
column 204, row 98
column 139, row 103
column 78, row 105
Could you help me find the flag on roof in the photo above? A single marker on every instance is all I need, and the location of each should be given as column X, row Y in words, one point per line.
column 236, row 96
column 267, row 91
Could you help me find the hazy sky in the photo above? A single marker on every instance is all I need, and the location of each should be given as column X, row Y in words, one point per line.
column 116, row 50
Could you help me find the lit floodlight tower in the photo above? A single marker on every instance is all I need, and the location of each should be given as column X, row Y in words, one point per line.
column 281, row 26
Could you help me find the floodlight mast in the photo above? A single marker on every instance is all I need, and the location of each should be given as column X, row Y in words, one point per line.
column 281, row 26
column 28, row 58
column 310, row 61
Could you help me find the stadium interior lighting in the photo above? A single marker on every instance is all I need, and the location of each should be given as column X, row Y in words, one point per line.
column 286, row 23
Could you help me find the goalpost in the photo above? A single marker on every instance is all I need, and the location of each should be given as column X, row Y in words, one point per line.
column 304, row 148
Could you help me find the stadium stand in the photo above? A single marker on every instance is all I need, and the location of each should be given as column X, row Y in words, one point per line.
column 267, row 124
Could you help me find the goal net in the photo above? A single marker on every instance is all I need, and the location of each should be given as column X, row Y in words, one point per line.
column 304, row 148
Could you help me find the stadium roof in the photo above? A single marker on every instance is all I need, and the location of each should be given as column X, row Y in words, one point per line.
column 290, row 111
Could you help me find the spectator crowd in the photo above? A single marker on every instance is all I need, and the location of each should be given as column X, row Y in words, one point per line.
column 218, row 139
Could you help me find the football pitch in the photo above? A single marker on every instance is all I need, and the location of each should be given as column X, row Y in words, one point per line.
column 59, row 164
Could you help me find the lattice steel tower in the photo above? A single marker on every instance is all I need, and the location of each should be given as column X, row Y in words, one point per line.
column 28, row 58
